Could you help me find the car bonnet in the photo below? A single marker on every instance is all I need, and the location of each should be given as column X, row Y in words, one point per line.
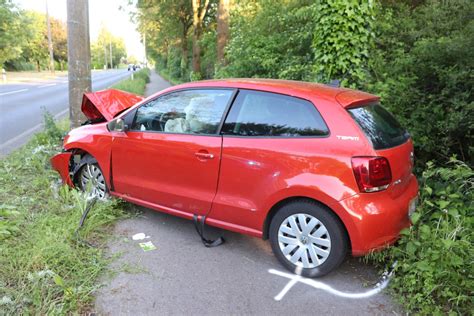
column 106, row 104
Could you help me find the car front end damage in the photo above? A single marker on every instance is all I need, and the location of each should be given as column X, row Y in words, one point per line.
column 61, row 163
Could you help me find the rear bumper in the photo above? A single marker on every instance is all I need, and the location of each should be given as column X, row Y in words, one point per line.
column 378, row 218
column 60, row 163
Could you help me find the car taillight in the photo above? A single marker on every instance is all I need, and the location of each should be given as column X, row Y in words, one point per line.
column 372, row 173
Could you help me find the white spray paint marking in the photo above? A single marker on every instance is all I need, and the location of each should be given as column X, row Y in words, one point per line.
column 294, row 279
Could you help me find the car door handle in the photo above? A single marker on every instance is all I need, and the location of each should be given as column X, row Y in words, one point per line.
column 204, row 155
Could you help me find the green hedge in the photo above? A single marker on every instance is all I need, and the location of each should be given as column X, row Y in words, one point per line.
column 435, row 271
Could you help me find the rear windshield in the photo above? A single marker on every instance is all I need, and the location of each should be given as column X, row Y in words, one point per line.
column 379, row 126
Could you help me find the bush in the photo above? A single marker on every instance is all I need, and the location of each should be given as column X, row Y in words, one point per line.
column 423, row 68
column 271, row 40
column 435, row 270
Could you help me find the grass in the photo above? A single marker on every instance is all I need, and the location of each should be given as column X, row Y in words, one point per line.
column 165, row 75
column 44, row 269
column 137, row 85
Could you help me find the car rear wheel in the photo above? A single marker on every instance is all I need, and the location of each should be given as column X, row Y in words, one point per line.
column 308, row 239
column 92, row 180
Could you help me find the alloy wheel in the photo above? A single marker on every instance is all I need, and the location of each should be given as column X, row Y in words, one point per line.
column 93, row 181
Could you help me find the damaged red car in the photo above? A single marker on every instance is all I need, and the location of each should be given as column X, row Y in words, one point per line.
column 320, row 171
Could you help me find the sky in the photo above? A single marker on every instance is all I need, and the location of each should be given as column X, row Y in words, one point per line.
column 105, row 12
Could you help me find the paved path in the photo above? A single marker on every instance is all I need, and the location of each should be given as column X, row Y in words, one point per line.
column 156, row 84
column 182, row 277
column 22, row 104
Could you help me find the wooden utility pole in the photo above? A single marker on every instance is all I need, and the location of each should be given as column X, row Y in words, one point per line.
column 50, row 41
column 222, row 29
column 79, row 57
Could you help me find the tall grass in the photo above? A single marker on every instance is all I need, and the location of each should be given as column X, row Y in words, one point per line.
column 44, row 269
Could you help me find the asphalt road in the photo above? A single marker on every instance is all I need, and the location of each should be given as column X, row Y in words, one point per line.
column 22, row 105
column 182, row 277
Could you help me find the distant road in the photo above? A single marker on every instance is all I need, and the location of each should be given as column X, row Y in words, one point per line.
column 22, row 105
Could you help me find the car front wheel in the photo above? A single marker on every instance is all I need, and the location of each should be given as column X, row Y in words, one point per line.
column 92, row 180
column 308, row 239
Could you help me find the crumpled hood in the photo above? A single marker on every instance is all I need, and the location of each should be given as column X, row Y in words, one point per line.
column 106, row 104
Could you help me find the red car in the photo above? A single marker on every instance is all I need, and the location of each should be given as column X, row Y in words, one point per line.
column 320, row 171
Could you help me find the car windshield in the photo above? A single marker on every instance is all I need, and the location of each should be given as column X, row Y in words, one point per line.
column 380, row 127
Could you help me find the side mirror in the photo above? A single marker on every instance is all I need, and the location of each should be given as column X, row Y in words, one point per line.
column 117, row 125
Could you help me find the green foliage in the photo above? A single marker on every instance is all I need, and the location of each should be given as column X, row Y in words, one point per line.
column 423, row 68
column 343, row 34
column 435, row 271
column 51, row 130
column 137, row 85
column 209, row 57
column 270, row 39
column 44, row 270
column 11, row 36
column 100, row 50
column 35, row 49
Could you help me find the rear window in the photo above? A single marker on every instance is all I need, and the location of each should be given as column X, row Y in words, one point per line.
column 379, row 126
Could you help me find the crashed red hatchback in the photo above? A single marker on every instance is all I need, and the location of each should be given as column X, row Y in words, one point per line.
column 320, row 171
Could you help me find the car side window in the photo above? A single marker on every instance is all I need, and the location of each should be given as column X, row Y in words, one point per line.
column 257, row 113
column 184, row 112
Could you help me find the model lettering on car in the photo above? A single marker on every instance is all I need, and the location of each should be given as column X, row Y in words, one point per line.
column 356, row 138
column 255, row 156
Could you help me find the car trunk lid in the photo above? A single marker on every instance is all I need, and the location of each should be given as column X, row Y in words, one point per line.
column 401, row 161
column 106, row 104
column 389, row 140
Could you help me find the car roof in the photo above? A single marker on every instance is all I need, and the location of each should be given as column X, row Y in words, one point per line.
column 344, row 96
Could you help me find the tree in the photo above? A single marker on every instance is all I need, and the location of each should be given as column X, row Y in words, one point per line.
column 59, row 35
column 100, row 49
column 270, row 39
column 35, row 49
column 11, row 36
column 222, row 29
column 199, row 12
column 343, row 36
column 165, row 23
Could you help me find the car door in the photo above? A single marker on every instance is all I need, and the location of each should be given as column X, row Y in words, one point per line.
column 170, row 155
column 270, row 142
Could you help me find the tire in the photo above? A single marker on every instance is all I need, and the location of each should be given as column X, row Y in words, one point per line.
column 90, row 172
column 308, row 239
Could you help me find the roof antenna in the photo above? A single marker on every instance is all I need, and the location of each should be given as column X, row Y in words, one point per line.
column 335, row 83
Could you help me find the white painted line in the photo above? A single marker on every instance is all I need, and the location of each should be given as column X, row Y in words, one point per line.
column 47, row 85
column 12, row 92
column 30, row 131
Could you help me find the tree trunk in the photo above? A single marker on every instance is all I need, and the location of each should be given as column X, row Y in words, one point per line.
column 79, row 57
column 196, row 37
column 184, row 51
column 222, row 29
column 38, row 67
column 198, row 16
